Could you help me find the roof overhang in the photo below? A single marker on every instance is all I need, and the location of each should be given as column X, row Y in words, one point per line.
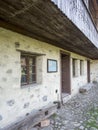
column 42, row 20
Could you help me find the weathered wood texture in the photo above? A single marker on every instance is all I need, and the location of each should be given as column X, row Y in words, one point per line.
column 86, row 3
column 78, row 13
column 32, row 119
column 93, row 7
column 44, row 21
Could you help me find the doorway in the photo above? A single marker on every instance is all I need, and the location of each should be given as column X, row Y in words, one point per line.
column 88, row 71
column 65, row 74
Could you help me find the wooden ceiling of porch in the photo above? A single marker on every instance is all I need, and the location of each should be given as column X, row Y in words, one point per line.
column 42, row 20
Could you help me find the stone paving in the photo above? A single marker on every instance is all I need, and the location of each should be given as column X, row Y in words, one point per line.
column 79, row 113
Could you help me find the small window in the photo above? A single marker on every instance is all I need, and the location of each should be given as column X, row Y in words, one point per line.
column 75, row 67
column 81, row 67
column 28, row 70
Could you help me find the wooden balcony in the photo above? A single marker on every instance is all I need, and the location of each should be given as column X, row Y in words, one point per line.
column 67, row 25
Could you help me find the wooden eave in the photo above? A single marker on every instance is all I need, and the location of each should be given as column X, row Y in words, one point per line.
column 42, row 20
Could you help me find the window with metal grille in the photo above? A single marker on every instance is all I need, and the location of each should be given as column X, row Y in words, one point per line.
column 28, row 69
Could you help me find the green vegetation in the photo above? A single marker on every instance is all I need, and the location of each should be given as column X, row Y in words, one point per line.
column 93, row 118
column 54, row 115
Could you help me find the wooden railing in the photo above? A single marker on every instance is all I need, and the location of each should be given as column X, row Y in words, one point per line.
column 78, row 13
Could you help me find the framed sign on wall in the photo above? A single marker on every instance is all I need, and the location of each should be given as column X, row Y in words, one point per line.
column 51, row 65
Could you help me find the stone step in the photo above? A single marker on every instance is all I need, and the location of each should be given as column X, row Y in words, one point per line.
column 86, row 87
column 65, row 98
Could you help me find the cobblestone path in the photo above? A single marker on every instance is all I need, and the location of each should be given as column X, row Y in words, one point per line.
column 79, row 113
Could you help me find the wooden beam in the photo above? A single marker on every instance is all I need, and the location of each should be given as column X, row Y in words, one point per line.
column 31, row 119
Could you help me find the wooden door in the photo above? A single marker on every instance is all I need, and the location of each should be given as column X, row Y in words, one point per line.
column 65, row 73
column 88, row 71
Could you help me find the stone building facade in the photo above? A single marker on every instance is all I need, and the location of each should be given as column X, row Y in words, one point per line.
column 35, row 74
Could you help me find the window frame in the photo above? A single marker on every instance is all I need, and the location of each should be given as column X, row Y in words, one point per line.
column 52, row 66
column 74, row 67
column 81, row 67
column 27, row 59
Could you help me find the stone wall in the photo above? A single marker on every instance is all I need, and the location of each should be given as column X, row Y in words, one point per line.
column 17, row 102
column 79, row 80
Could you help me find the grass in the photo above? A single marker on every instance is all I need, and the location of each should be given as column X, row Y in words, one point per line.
column 54, row 115
column 93, row 120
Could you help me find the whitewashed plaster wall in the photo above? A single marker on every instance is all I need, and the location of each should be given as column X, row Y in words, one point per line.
column 79, row 80
column 17, row 101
